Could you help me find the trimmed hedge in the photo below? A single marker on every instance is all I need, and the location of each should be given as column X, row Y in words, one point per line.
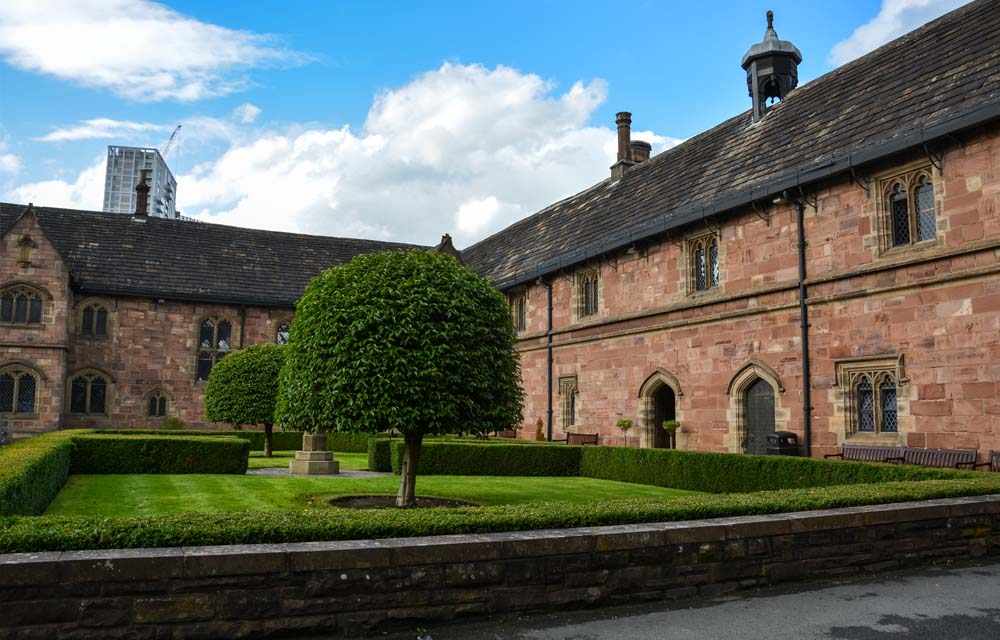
column 468, row 459
column 280, row 440
column 730, row 473
column 380, row 448
column 32, row 472
column 104, row 453
column 63, row 533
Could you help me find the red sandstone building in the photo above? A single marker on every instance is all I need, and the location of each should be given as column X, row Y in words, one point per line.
column 827, row 265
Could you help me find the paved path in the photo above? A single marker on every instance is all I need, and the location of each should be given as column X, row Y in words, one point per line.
column 960, row 603
column 282, row 472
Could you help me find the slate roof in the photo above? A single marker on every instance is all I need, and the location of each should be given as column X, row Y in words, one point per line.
column 111, row 253
column 938, row 79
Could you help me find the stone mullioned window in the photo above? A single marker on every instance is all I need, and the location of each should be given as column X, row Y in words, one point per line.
column 870, row 390
column 20, row 304
column 703, row 262
column 18, row 390
column 89, row 393
column 588, row 293
column 518, row 303
column 215, row 340
column 906, row 208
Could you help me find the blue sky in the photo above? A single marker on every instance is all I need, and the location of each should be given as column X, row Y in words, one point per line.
column 384, row 119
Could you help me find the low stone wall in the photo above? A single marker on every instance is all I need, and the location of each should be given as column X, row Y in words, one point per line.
column 349, row 588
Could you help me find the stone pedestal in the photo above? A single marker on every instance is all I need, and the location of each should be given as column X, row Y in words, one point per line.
column 314, row 459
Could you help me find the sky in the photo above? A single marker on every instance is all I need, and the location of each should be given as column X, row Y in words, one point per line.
column 382, row 119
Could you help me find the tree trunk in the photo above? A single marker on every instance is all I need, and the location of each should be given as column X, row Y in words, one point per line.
column 407, row 496
column 267, row 440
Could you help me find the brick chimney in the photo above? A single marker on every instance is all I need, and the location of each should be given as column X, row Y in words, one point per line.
column 142, row 195
column 640, row 151
column 624, row 121
column 447, row 247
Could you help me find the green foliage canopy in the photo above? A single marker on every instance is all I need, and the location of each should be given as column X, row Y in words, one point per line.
column 411, row 341
column 243, row 386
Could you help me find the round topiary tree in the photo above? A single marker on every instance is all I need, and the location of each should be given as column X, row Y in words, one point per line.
column 243, row 388
column 411, row 341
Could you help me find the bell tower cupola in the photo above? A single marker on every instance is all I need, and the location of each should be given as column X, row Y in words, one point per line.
column 772, row 69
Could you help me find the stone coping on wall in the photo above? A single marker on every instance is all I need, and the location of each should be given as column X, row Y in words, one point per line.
column 355, row 587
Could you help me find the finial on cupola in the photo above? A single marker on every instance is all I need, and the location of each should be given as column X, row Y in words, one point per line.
column 772, row 69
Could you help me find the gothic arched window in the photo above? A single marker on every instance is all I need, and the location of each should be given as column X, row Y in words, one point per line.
column 588, row 289
column 875, row 404
column 518, row 303
column 20, row 304
column 910, row 214
column 88, row 394
column 157, row 403
column 18, row 390
column 704, row 253
column 215, row 337
column 94, row 320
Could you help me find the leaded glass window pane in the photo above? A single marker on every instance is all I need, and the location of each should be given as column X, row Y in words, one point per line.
column 26, row 394
column 161, row 406
column 593, row 295
column 78, row 396
column 204, row 364
column 900, row 217
column 284, row 331
column 151, row 409
column 6, row 393
column 7, row 308
column 225, row 335
column 21, row 309
column 35, row 314
column 926, row 222
column 521, row 313
column 888, row 397
column 866, row 407
column 87, row 322
column 101, row 322
column 699, row 268
column 713, row 263
column 98, row 394
column 206, row 336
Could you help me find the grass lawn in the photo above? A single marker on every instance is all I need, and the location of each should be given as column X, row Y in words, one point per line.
column 133, row 495
column 281, row 458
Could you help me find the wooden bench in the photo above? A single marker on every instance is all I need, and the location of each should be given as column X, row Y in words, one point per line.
column 579, row 438
column 868, row 453
column 992, row 462
column 940, row 458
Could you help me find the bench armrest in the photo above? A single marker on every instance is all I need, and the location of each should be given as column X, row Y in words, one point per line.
column 981, row 464
column 834, row 455
column 895, row 460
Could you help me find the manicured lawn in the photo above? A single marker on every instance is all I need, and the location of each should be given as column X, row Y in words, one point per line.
column 130, row 495
column 280, row 459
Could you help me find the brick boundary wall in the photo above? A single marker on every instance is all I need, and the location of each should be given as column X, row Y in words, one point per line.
column 352, row 587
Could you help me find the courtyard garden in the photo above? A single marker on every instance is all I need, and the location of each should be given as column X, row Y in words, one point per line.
column 86, row 490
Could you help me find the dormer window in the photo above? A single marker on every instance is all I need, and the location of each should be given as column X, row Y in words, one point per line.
column 20, row 304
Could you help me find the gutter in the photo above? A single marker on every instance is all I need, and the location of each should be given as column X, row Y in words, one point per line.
column 728, row 201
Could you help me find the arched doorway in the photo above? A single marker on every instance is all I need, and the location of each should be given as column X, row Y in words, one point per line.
column 760, row 415
column 659, row 397
column 664, row 408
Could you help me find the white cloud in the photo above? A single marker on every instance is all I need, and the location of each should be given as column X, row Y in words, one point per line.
column 101, row 128
column 895, row 18
column 9, row 163
column 138, row 49
column 246, row 113
column 462, row 149
column 86, row 192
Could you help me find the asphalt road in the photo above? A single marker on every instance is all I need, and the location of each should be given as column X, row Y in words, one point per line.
column 957, row 603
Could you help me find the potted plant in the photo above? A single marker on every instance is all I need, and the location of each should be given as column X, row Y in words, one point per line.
column 624, row 424
column 671, row 427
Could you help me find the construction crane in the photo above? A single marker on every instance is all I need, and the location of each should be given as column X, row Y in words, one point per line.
column 170, row 142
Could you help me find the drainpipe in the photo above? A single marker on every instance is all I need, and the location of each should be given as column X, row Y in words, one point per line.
column 804, row 322
column 243, row 324
column 548, row 349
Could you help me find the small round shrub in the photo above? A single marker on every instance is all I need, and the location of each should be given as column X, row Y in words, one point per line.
column 243, row 388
